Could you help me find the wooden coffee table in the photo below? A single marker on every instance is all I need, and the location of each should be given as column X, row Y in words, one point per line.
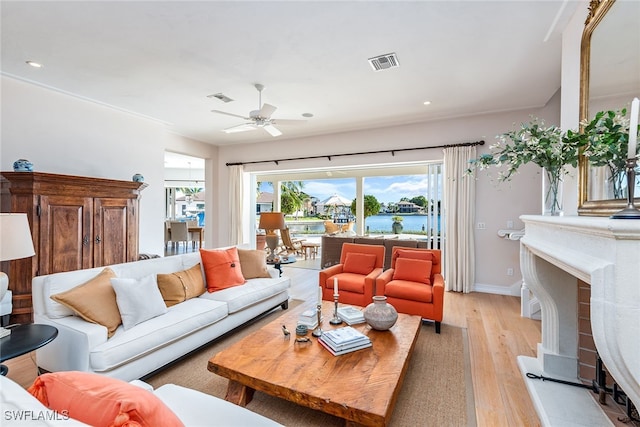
column 360, row 387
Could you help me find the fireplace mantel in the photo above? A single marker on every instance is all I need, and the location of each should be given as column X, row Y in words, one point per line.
column 604, row 253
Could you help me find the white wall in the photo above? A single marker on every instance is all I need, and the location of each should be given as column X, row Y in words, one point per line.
column 63, row 134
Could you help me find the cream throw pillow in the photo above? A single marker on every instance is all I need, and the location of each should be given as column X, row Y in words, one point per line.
column 138, row 300
column 253, row 263
column 94, row 301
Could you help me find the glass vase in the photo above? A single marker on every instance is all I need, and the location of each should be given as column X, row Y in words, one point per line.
column 618, row 180
column 552, row 192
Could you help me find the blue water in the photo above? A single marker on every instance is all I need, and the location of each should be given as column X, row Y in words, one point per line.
column 409, row 223
column 376, row 223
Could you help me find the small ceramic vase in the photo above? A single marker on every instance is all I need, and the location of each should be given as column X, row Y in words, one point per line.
column 138, row 178
column 22, row 165
column 380, row 315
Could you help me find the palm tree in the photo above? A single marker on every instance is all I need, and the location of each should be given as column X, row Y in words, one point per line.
column 291, row 196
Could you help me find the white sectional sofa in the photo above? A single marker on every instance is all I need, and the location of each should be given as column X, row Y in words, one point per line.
column 136, row 352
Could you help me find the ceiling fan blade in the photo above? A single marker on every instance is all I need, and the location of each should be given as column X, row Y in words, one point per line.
column 287, row 122
column 230, row 114
column 272, row 130
column 240, row 128
column 267, row 110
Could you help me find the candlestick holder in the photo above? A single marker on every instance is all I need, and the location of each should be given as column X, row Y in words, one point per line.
column 630, row 212
column 318, row 330
column 336, row 320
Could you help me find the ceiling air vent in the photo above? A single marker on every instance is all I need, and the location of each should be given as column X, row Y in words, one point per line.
column 384, row 62
column 221, row 96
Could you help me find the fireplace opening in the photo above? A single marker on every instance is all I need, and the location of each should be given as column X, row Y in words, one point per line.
column 593, row 372
column 620, row 398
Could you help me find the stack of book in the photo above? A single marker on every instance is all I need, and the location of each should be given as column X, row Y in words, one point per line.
column 344, row 340
column 350, row 315
column 309, row 318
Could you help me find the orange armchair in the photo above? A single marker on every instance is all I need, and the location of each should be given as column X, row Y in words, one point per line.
column 356, row 273
column 414, row 283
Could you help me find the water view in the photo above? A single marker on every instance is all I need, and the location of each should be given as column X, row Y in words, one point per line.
column 375, row 224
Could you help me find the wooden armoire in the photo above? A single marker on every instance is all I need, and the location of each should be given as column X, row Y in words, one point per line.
column 76, row 222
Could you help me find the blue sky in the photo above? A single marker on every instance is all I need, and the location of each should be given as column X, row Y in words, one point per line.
column 385, row 188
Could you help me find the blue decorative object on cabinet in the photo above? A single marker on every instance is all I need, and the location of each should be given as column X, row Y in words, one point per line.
column 138, row 178
column 22, row 165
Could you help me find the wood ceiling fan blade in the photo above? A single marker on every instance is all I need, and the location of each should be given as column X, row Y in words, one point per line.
column 287, row 122
column 240, row 128
column 230, row 114
column 273, row 131
column 267, row 110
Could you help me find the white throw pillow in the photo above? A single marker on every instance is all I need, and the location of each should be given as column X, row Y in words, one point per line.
column 138, row 299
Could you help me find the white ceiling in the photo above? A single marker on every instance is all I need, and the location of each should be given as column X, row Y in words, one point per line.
column 181, row 161
column 162, row 59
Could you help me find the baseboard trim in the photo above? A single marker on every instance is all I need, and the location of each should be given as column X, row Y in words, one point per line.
column 512, row 290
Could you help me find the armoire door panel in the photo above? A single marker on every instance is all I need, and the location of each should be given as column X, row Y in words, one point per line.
column 111, row 227
column 65, row 224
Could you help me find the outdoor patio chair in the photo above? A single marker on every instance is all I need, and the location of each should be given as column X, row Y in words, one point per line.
column 289, row 245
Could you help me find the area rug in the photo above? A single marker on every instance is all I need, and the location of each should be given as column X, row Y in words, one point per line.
column 437, row 388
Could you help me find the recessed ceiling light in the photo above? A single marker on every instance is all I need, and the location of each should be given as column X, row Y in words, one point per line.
column 427, row 102
column 34, row 64
column 307, row 115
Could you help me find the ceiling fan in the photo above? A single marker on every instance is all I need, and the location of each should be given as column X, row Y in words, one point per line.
column 259, row 118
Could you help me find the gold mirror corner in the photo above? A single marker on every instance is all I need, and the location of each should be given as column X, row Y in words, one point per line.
column 607, row 82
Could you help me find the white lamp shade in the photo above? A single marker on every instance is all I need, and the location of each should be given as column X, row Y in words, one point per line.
column 15, row 237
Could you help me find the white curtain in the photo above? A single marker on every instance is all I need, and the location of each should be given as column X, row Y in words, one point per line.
column 235, row 204
column 459, row 202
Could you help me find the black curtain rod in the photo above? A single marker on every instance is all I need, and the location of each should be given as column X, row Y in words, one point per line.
column 393, row 153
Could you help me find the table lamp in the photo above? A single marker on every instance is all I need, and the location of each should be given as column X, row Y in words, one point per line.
column 269, row 222
column 15, row 243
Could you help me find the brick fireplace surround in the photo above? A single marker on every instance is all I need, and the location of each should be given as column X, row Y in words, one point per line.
column 585, row 272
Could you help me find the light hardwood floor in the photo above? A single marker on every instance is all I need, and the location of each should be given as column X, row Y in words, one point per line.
column 497, row 335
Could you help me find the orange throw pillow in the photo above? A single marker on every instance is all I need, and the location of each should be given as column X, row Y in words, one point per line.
column 413, row 270
column 221, row 268
column 407, row 253
column 359, row 263
column 99, row 400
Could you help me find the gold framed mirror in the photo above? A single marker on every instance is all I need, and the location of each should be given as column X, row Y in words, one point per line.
column 609, row 79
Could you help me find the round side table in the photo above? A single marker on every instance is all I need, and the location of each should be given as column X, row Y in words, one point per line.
column 278, row 264
column 24, row 339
